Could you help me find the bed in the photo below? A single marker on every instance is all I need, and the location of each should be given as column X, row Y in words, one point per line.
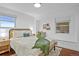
column 23, row 45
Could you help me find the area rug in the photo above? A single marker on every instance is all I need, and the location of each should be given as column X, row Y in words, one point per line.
column 56, row 52
column 52, row 53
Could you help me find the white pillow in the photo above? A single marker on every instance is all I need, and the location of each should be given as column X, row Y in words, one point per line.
column 20, row 33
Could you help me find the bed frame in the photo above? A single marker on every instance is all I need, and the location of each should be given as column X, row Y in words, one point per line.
column 19, row 29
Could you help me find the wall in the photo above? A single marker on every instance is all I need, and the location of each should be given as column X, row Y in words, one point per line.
column 70, row 40
column 22, row 20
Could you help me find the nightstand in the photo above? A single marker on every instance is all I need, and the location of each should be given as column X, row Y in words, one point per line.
column 4, row 45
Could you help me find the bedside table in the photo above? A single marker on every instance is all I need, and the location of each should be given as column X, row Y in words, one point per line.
column 4, row 45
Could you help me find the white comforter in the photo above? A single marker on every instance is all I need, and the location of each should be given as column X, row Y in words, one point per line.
column 23, row 46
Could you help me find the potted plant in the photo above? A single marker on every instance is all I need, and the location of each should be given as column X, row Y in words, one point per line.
column 42, row 43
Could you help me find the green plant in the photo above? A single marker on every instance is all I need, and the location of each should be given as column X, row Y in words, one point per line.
column 40, row 35
column 42, row 43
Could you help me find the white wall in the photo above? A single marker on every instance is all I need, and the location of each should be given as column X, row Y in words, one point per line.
column 70, row 40
column 22, row 20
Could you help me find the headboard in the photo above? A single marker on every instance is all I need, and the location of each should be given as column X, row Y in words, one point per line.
column 18, row 32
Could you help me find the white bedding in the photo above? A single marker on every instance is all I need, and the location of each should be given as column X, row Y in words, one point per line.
column 23, row 46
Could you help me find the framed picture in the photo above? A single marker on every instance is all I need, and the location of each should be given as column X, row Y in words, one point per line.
column 62, row 25
column 46, row 26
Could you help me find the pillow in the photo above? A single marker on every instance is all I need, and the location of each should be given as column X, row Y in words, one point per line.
column 21, row 33
column 26, row 34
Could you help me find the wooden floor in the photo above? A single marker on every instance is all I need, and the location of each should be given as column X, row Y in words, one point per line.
column 64, row 52
column 8, row 53
column 68, row 52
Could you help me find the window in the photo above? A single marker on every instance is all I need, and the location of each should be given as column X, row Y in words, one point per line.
column 6, row 22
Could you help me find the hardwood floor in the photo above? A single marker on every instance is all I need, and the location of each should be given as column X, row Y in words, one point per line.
column 8, row 53
column 64, row 52
column 68, row 52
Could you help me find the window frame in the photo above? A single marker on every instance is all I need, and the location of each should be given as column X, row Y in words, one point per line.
column 8, row 21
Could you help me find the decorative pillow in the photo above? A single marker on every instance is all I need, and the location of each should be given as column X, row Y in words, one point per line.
column 22, row 33
column 26, row 34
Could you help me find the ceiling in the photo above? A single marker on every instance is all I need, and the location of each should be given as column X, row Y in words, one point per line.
column 47, row 9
